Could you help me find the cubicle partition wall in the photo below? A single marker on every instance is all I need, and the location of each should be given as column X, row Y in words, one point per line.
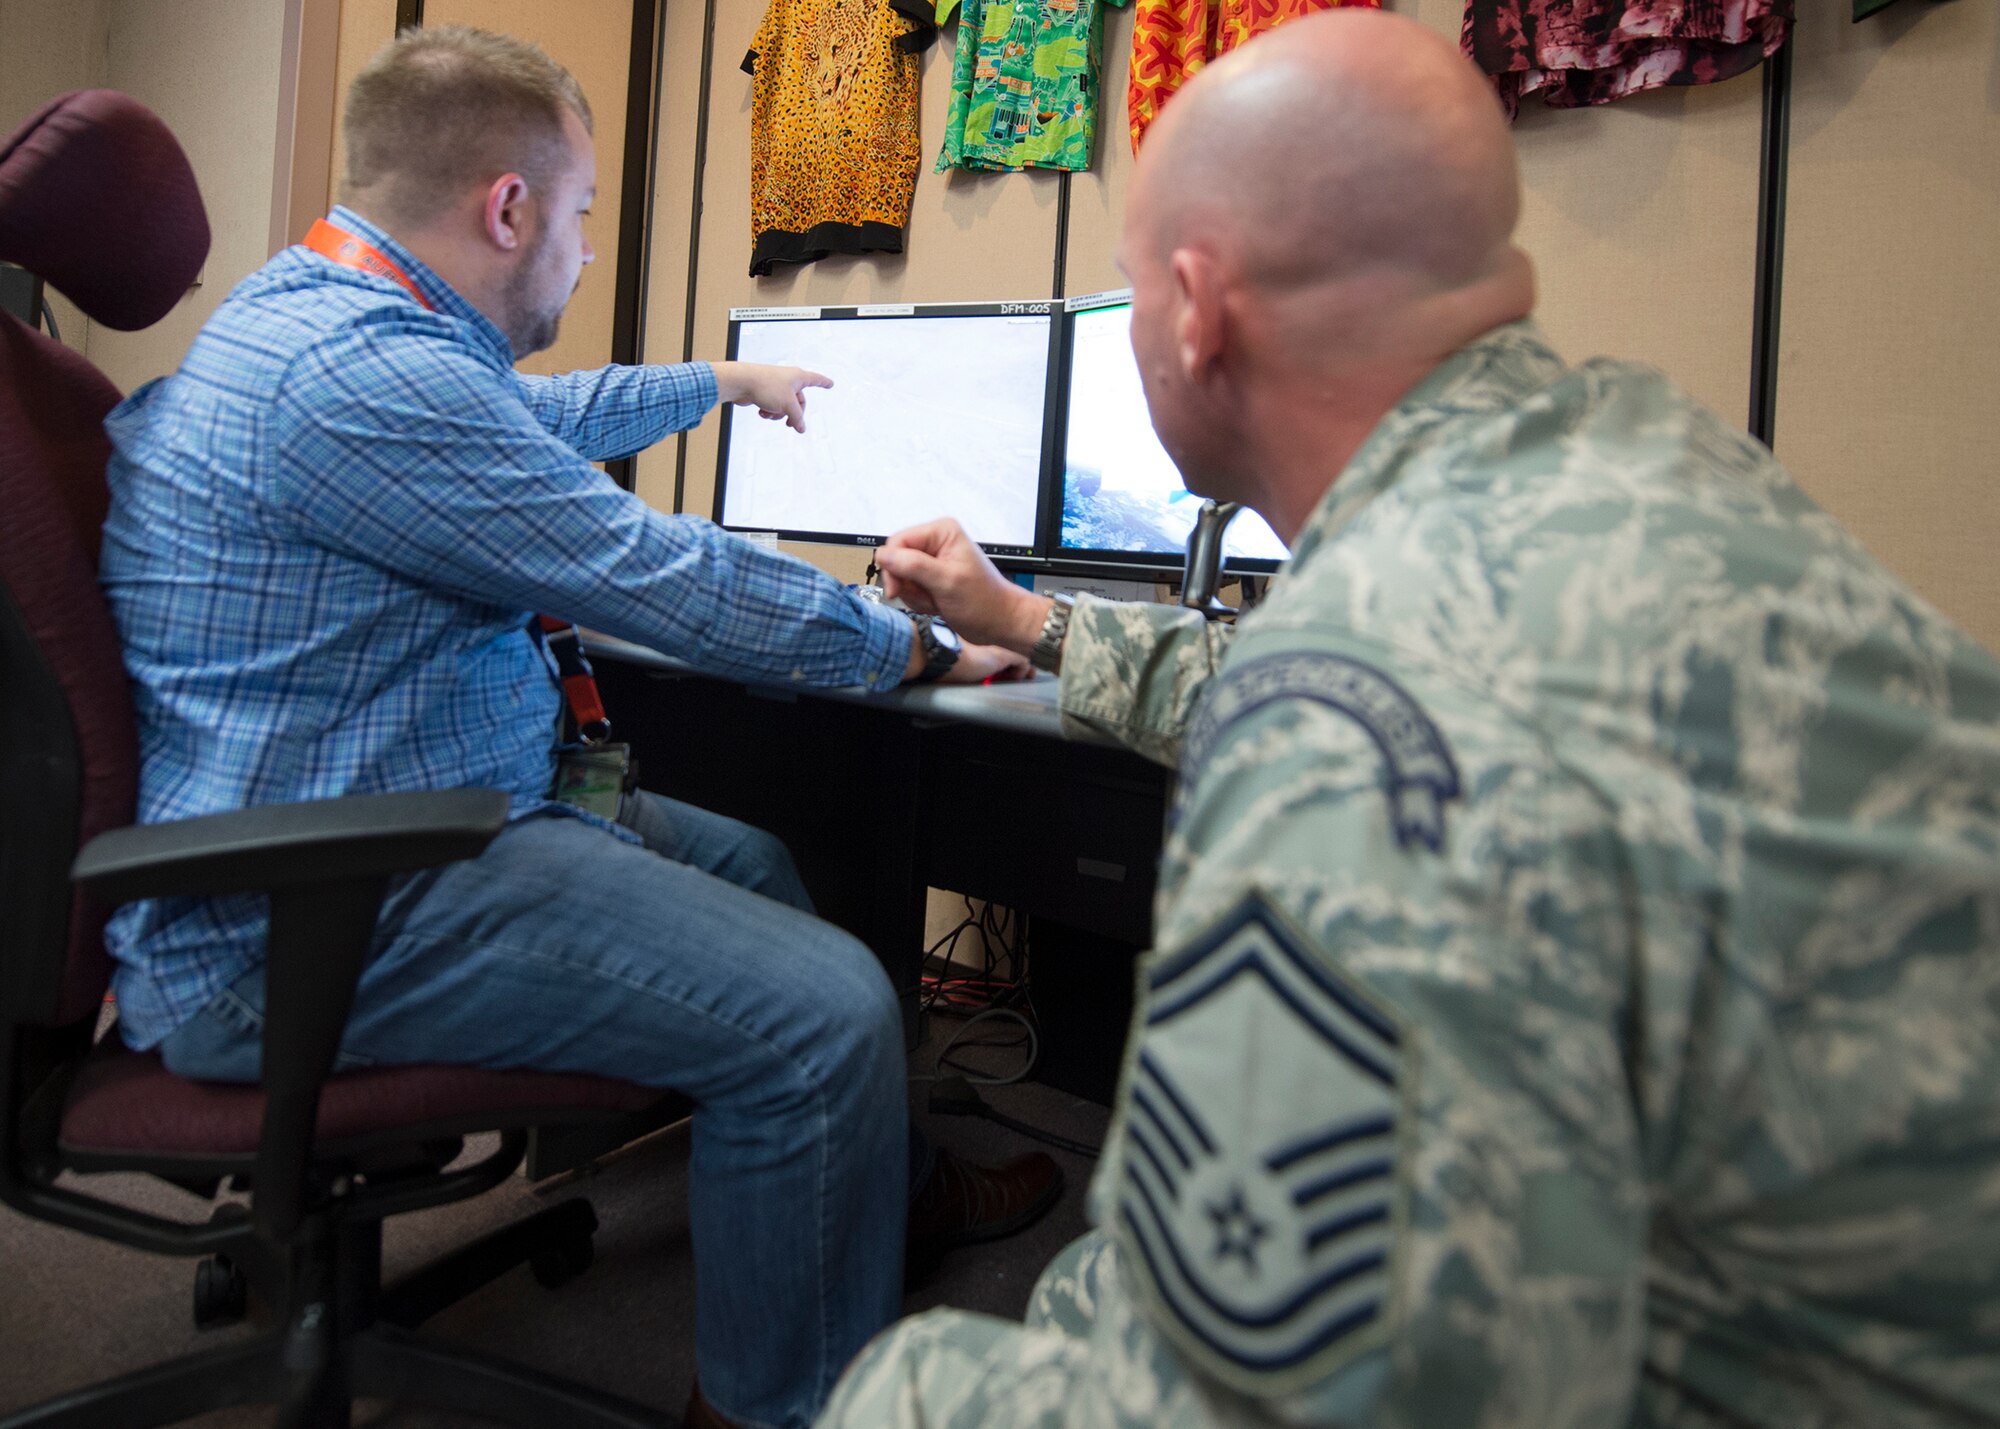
column 1642, row 218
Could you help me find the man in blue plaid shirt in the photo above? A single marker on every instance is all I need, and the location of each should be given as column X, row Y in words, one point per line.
column 328, row 532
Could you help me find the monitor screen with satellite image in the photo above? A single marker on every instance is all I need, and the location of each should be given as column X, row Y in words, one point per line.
column 936, row 410
column 1122, row 497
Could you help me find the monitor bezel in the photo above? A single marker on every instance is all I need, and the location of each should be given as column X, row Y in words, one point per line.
column 738, row 317
column 1054, row 465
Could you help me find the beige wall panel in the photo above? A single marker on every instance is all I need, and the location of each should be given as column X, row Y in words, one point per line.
column 365, row 26
column 970, row 237
column 210, row 69
column 1641, row 217
column 1642, row 220
column 307, row 103
column 1097, row 197
column 48, row 48
column 593, row 40
column 51, row 49
column 673, row 223
column 1890, row 337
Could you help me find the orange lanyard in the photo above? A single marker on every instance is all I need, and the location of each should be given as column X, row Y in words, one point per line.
column 579, row 682
column 351, row 252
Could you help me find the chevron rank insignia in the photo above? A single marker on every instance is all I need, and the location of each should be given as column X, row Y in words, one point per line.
column 1260, row 1202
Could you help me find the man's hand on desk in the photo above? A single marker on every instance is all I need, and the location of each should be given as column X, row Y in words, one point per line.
column 976, row 664
column 938, row 569
column 979, row 663
column 774, row 391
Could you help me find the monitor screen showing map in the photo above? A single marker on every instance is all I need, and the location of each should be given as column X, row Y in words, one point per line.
column 935, row 411
column 1121, row 493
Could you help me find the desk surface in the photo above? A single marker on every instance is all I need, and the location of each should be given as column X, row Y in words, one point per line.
column 1022, row 706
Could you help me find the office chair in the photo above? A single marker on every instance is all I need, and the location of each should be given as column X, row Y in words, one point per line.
column 97, row 198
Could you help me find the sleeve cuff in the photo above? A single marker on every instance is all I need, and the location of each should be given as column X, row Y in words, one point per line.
column 886, row 639
column 705, row 388
column 1076, row 684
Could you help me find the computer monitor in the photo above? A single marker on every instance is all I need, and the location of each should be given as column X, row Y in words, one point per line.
column 1121, row 498
column 936, row 410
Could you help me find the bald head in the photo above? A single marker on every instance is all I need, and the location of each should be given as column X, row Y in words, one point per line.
column 1346, row 142
column 1339, row 196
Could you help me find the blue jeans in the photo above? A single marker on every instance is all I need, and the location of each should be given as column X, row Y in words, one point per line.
column 693, row 963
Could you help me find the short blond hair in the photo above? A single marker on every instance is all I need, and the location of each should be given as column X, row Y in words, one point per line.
column 440, row 109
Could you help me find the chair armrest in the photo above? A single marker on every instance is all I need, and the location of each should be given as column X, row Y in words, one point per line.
column 287, row 845
column 326, row 865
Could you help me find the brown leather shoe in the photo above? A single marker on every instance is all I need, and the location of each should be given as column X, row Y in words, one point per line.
column 962, row 1204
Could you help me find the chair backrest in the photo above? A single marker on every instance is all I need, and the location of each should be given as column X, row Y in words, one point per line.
column 97, row 198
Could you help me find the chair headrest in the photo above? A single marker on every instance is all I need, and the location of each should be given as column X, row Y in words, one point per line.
column 97, row 197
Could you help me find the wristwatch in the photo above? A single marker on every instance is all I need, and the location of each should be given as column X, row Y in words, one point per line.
column 940, row 644
column 1046, row 652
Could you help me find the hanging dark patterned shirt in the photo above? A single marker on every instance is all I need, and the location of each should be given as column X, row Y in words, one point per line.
column 1577, row 52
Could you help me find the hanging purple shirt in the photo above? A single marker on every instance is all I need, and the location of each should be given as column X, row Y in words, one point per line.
column 1577, row 52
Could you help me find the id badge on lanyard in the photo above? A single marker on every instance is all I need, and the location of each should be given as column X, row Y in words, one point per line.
column 595, row 777
column 593, row 774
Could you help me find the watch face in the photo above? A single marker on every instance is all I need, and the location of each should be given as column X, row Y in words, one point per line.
column 946, row 636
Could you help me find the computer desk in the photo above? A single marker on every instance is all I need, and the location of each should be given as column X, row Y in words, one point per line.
column 881, row 796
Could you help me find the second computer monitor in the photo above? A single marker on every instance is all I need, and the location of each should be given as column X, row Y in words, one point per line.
column 1123, row 499
column 936, row 410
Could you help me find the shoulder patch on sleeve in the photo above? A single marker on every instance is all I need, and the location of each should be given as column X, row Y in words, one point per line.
column 1261, row 1199
column 1419, row 773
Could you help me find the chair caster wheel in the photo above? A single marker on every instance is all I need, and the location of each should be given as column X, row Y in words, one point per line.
column 557, row 1264
column 221, row 1293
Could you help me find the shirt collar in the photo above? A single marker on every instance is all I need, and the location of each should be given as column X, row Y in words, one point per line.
column 437, row 292
column 1488, row 374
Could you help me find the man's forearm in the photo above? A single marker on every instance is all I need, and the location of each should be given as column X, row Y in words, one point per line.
column 611, row 412
column 1024, row 622
column 730, row 385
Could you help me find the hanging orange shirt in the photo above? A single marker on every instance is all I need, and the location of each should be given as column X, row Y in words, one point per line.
column 1172, row 39
column 833, row 129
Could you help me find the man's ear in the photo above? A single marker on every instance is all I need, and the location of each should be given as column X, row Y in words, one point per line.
column 1198, row 317
column 507, row 220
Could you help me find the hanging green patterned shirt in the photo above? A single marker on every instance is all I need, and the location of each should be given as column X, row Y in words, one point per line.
column 1024, row 84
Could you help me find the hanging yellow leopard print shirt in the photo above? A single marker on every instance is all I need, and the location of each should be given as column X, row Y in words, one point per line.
column 833, row 129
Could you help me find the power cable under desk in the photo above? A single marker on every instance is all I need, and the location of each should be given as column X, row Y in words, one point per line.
column 997, row 994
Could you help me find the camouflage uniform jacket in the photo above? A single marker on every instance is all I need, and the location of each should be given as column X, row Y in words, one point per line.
column 1577, row 996
column 1599, row 787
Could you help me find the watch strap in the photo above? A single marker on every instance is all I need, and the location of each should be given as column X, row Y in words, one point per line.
column 1046, row 652
column 938, row 656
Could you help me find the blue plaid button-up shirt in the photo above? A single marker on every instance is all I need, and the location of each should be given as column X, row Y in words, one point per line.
column 327, row 532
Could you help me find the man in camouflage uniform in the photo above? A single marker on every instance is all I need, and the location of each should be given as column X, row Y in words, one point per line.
column 1576, row 999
